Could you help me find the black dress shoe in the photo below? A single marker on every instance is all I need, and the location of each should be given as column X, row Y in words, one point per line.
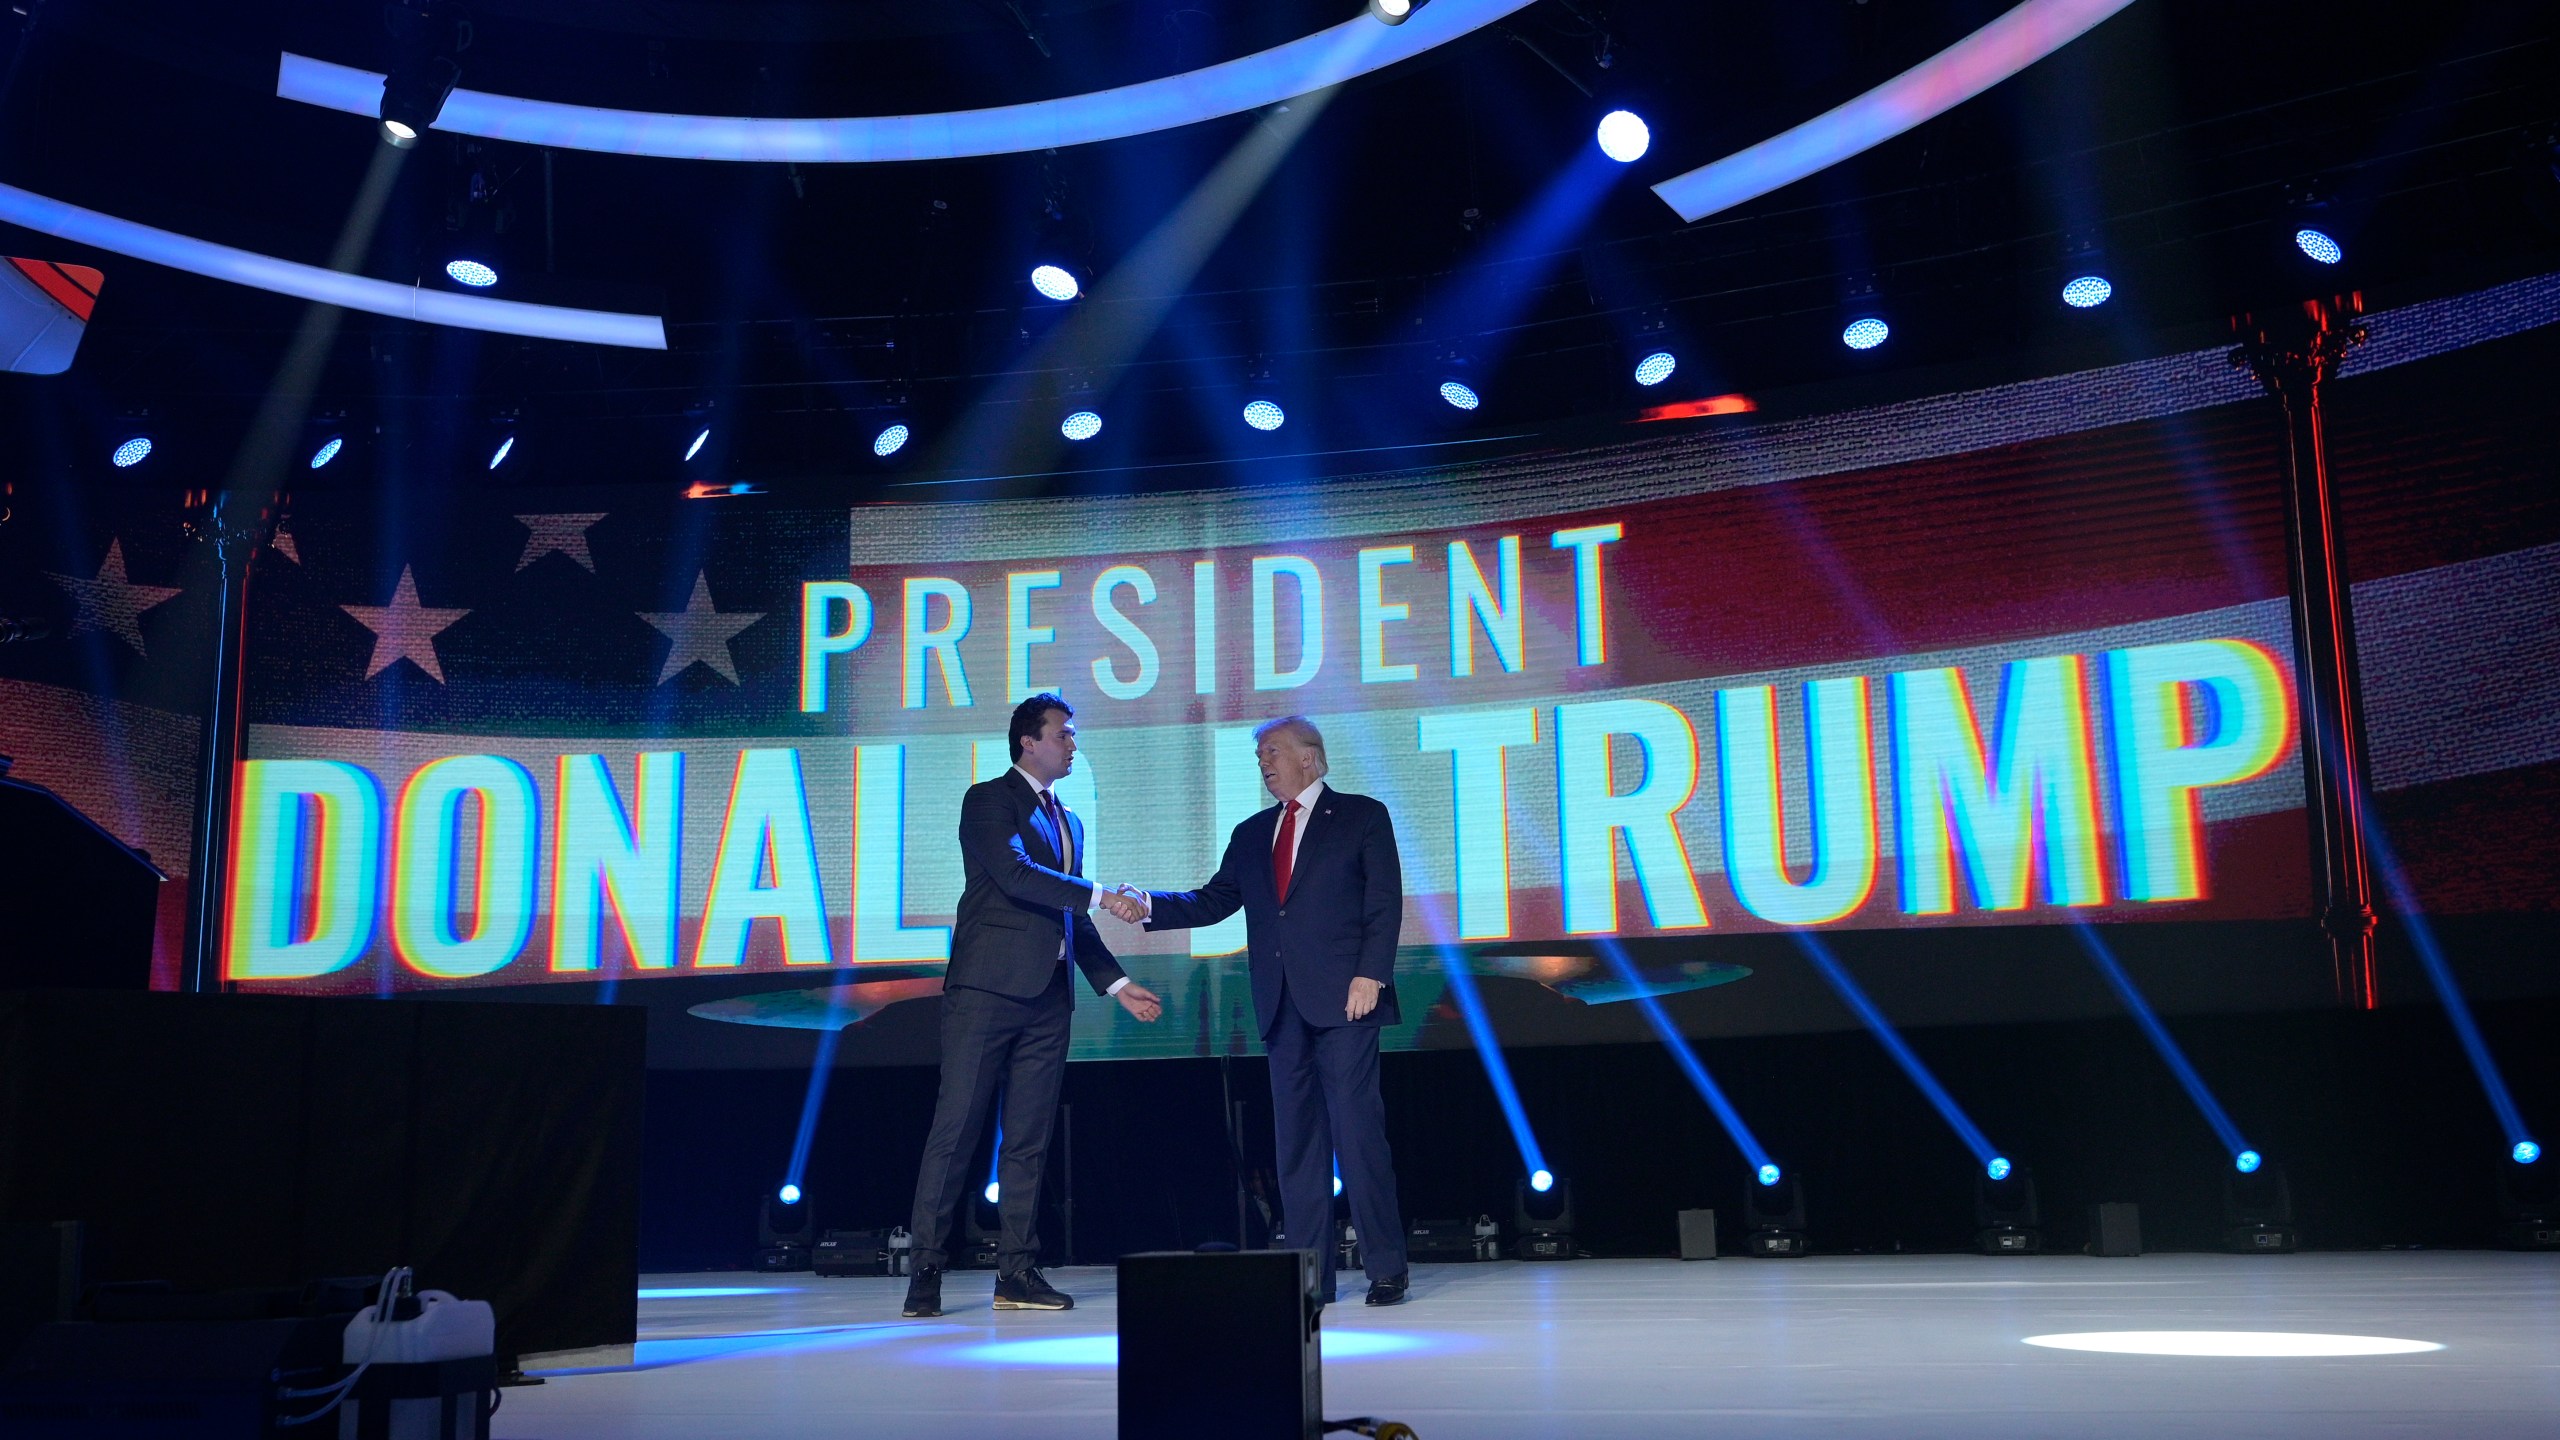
column 1028, row 1291
column 924, row 1294
column 1389, row 1291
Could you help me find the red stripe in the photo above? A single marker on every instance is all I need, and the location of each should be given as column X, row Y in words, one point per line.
column 66, row 291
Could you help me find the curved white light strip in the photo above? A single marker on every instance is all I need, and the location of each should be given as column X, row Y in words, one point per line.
column 326, row 286
column 1927, row 90
column 1353, row 48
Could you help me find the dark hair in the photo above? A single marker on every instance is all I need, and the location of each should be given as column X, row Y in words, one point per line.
column 1032, row 716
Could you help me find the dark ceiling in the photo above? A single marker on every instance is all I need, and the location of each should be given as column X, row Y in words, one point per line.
column 1403, row 230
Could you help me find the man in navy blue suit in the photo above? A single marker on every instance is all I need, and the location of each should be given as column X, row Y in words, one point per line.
column 1323, row 898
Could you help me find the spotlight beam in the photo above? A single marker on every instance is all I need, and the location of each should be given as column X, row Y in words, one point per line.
column 1101, row 337
column 821, row 1069
column 1462, row 987
column 1900, row 1050
column 2457, row 1011
column 1327, row 58
column 1687, row 1058
column 323, row 284
column 1927, row 90
column 2170, row 1054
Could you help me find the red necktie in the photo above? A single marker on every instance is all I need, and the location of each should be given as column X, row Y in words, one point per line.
column 1058, row 823
column 1284, row 851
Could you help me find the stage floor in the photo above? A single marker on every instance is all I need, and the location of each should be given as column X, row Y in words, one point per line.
column 1890, row 1346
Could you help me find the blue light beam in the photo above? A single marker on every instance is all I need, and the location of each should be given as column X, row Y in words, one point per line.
column 814, row 1099
column 2422, row 938
column 1691, row 1066
column 2176, row 1059
column 1462, row 987
column 1901, row 1052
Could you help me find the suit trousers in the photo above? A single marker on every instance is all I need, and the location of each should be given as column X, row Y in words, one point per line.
column 993, row 1043
column 1325, row 1106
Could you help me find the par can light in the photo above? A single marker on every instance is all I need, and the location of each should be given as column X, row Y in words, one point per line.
column 2087, row 292
column 2317, row 245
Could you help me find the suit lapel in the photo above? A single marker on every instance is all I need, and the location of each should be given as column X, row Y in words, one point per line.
column 1030, row 795
column 1316, row 825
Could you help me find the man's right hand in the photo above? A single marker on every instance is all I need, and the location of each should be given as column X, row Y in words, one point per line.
column 1127, row 903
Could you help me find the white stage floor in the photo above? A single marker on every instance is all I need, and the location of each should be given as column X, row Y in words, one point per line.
column 1903, row 1347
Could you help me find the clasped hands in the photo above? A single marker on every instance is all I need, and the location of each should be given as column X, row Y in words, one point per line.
column 1127, row 902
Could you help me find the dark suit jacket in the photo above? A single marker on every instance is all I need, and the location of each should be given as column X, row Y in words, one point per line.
column 1342, row 919
column 1019, row 903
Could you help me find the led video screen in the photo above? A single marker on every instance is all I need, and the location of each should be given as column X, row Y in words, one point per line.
column 2018, row 657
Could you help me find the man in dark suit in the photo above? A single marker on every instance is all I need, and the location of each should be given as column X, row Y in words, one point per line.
column 1323, row 897
column 1006, row 1003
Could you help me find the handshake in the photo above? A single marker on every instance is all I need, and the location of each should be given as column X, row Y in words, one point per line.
column 1127, row 902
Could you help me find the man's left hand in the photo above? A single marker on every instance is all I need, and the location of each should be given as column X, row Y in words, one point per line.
column 1140, row 1001
column 1364, row 997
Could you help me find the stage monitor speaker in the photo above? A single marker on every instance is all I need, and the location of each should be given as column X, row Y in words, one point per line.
column 1220, row 1344
column 1442, row 1242
column 1697, row 1234
column 2115, row 1229
column 853, row 1252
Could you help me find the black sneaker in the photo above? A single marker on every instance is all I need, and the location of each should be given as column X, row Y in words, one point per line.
column 1028, row 1291
column 924, row 1294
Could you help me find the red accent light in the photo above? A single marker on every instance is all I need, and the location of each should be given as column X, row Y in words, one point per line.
column 1691, row 409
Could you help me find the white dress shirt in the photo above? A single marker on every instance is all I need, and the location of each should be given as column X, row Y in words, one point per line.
column 1067, row 857
column 1297, row 837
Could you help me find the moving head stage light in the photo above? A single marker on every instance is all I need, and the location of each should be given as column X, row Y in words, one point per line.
column 2257, row 1211
column 2005, row 1209
column 1773, row 1208
column 785, row 1230
column 2528, row 1201
column 1542, row 1219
